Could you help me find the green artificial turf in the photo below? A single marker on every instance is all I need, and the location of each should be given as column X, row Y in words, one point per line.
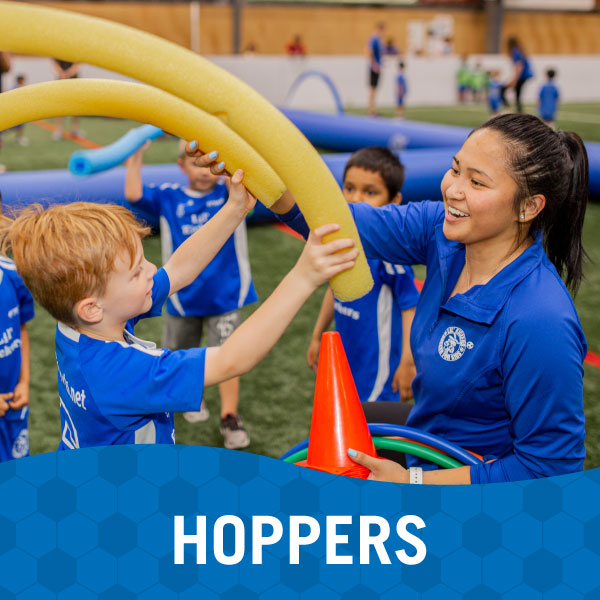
column 276, row 397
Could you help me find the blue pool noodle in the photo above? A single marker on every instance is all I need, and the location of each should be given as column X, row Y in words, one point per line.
column 87, row 162
column 348, row 133
column 424, row 172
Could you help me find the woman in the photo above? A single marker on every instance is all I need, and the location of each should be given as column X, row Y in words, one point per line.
column 522, row 72
column 496, row 339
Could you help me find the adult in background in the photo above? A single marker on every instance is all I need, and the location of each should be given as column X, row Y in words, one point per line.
column 63, row 69
column 4, row 68
column 296, row 47
column 522, row 72
column 375, row 49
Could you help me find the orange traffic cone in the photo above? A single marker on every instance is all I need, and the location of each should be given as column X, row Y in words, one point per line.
column 338, row 421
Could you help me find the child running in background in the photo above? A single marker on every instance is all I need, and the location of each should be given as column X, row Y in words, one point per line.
column 215, row 297
column 463, row 81
column 20, row 138
column 400, row 91
column 16, row 308
column 84, row 263
column 375, row 329
column 549, row 97
column 494, row 92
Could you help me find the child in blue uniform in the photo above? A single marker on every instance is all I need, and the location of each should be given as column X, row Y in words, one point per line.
column 494, row 92
column 84, row 263
column 16, row 308
column 548, row 99
column 496, row 339
column 217, row 295
column 401, row 90
column 375, row 329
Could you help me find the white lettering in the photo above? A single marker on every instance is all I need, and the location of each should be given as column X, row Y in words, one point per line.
column 297, row 540
column 198, row 538
column 259, row 539
column 346, row 311
column 77, row 397
column 377, row 541
column 333, row 539
column 238, row 545
column 413, row 540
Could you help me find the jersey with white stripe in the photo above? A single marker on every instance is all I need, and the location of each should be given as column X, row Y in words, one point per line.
column 226, row 283
column 16, row 308
column 371, row 329
column 124, row 392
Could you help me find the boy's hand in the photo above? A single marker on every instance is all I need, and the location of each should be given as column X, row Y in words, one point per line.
column 4, row 400
column 312, row 355
column 21, row 396
column 403, row 378
column 320, row 261
column 138, row 155
column 381, row 469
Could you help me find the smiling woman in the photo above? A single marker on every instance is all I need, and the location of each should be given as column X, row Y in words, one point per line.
column 496, row 339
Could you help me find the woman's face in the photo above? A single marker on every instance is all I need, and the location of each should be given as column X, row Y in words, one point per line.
column 478, row 193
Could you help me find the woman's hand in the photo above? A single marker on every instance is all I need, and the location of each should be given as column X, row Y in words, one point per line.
column 381, row 469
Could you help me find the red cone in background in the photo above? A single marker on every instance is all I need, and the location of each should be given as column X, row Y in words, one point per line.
column 338, row 421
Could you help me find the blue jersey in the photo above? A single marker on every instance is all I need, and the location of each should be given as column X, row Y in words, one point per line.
column 549, row 97
column 226, row 282
column 401, row 88
column 375, row 48
column 16, row 308
column 124, row 392
column 500, row 367
column 371, row 329
column 519, row 58
column 494, row 94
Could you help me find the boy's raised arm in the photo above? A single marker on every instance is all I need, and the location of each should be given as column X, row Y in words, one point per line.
column 248, row 344
column 134, row 189
column 188, row 261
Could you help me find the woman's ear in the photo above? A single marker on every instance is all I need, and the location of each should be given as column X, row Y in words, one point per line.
column 88, row 310
column 531, row 208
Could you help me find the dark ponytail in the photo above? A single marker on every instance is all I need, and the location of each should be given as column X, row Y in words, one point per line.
column 555, row 165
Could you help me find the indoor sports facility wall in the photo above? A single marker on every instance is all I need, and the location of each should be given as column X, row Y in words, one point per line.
column 431, row 81
column 209, row 30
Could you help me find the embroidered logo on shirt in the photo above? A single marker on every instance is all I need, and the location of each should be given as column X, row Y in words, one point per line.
column 453, row 344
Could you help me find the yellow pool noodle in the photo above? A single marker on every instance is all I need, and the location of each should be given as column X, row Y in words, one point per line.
column 124, row 100
column 33, row 29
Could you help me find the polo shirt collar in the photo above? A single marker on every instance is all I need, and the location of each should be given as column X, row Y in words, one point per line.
column 482, row 303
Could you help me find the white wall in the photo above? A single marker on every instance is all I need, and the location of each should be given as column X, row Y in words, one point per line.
column 431, row 81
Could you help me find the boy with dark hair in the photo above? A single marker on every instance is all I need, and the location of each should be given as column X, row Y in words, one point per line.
column 375, row 329
column 549, row 97
column 85, row 264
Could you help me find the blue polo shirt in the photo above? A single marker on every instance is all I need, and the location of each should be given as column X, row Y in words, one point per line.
column 499, row 368
column 225, row 284
column 124, row 392
column 371, row 329
column 375, row 48
column 519, row 58
column 16, row 308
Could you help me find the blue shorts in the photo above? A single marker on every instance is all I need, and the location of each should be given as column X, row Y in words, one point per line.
column 400, row 101
column 495, row 104
column 14, row 439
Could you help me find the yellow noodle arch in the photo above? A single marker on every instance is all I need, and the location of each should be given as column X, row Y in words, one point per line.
column 124, row 100
column 69, row 36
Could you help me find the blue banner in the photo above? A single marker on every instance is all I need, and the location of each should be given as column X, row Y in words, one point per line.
column 179, row 522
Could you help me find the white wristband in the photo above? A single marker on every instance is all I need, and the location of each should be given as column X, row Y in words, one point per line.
column 415, row 475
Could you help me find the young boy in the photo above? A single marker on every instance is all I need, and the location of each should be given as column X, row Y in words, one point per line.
column 375, row 329
column 16, row 308
column 494, row 92
column 84, row 263
column 463, row 80
column 549, row 97
column 215, row 298
column 400, row 91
